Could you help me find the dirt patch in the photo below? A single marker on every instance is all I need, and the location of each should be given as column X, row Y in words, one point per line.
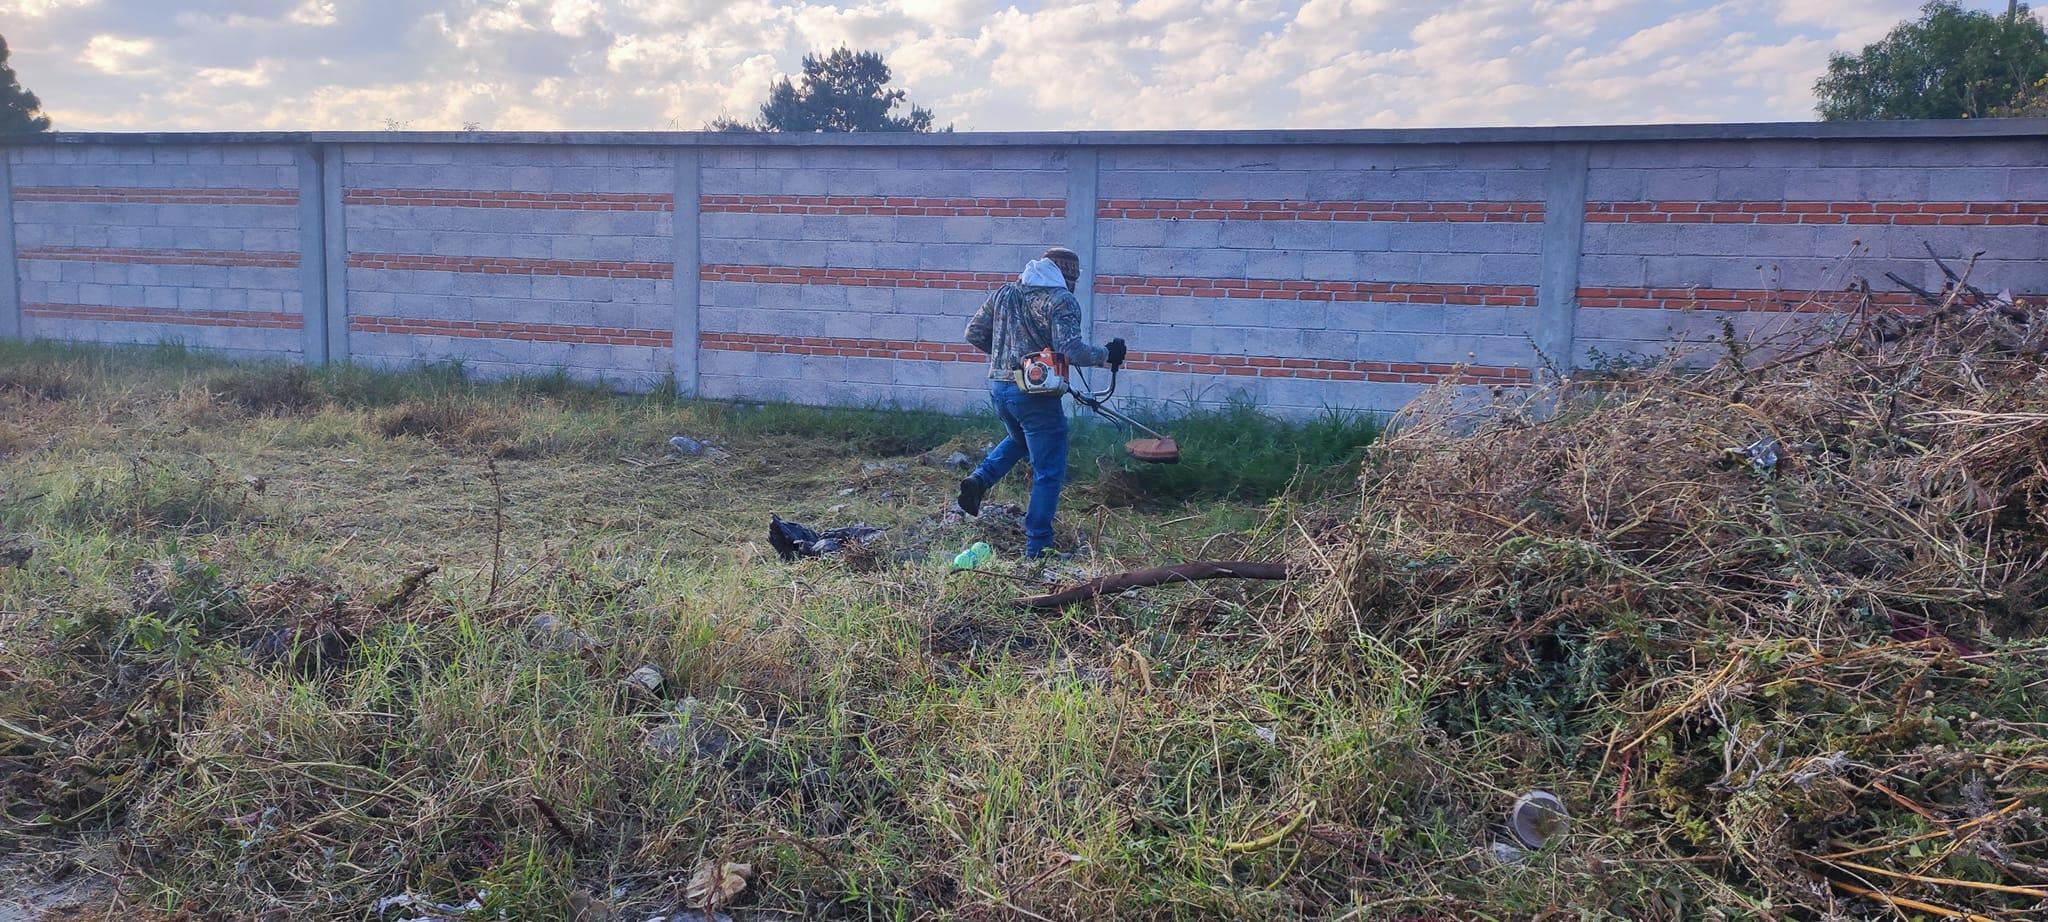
column 451, row 419
column 38, row 381
column 288, row 389
column 68, row 886
column 964, row 634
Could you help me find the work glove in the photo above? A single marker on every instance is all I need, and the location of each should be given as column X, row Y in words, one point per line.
column 1117, row 350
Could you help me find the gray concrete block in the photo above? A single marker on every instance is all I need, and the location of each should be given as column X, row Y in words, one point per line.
column 1823, row 185
column 1413, row 318
column 1967, row 184
column 1289, row 186
column 1750, row 185
column 1600, row 270
column 1123, row 233
column 1360, row 235
column 1392, row 267
column 2027, row 184
column 966, row 230
column 1892, row 185
column 1455, row 185
column 1685, row 185
column 1330, row 265
column 1515, row 185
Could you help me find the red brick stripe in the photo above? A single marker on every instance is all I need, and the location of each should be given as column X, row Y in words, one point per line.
column 258, row 258
column 141, row 195
column 845, row 347
column 1733, row 299
column 1247, row 210
column 1799, row 212
column 855, row 278
column 1172, row 362
column 199, row 318
column 913, row 206
column 486, row 198
column 1290, row 290
column 1326, row 369
column 523, row 332
column 507, row 265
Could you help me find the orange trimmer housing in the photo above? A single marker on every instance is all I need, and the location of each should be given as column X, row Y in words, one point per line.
column 1044, row 372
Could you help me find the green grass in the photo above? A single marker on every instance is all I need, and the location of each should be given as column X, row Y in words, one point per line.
column 1236, row 452
column 207, row 629
column 1228, row 452
column 300, row 640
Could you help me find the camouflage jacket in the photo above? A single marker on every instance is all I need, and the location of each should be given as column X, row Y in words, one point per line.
column 1018, row 320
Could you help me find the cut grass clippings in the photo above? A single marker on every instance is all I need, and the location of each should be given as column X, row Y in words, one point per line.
column 409, row 636
column 312, row 638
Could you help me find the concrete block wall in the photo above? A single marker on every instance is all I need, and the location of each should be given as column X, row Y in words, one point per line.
column 512, row 259
column 142, row 244
column 1765, row 236
column 848, row 275
column 1298, row 278
column 1295, row 270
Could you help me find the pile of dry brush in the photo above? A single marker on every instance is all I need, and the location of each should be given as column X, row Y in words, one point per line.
column 1782, row 616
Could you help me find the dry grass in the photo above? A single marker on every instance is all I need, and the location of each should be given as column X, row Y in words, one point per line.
column 1812, row 683
column 213, row 637
column 384, row 661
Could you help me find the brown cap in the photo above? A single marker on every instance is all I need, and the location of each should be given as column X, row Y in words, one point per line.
column 1068, row 261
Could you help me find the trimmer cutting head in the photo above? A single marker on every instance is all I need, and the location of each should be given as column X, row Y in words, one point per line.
column 1159, row 449
column 1154, row 451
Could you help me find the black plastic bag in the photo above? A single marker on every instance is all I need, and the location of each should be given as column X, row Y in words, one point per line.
column 792, row 540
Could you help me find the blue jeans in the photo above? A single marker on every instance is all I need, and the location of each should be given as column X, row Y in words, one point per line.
column 1038, row 426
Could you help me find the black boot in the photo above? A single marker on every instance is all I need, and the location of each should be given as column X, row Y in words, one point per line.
column 971, row 491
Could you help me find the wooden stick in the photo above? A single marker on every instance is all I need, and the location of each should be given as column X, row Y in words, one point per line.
column 1275, row 837
column 1979, row 821
column 26, row 734
column 1901, row 902
column 547, row 812
column 1158, row 576
column 2034, row 892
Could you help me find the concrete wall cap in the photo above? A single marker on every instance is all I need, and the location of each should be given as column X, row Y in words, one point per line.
column 1942, row 129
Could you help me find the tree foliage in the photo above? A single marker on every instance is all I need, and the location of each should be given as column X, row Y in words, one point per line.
column 20, row 110
column 842, row 91
column 1949, row 63
column 2031, row 103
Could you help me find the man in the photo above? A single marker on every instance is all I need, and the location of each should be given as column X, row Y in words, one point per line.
column 1035, row 312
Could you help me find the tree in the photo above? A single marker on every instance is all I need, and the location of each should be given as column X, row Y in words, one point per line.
column 1949, row 63
column 842, row 91
column 20, row 110
column 2031, row 103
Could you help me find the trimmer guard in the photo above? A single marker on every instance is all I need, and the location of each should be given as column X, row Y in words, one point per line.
column 1154, row 451
column 1159, row 449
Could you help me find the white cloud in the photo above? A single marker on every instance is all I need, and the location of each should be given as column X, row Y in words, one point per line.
column 982, row 64
column 112, row 54
column 34, row 8
column 1852, row 21
column 313, row 13
column 256, row 76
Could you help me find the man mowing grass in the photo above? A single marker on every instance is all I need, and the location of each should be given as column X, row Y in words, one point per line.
column 1031, row 330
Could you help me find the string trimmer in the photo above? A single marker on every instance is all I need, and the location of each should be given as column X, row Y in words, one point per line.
column 1159, row 449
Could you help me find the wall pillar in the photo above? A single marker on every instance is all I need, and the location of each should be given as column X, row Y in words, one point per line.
column 686, row 230
column 334, row 254
column 1082, row 204
column 312, row 254
column 1564, row 226
column 10, row 278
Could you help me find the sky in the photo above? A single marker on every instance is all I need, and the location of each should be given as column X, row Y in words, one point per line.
column 981, row 65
